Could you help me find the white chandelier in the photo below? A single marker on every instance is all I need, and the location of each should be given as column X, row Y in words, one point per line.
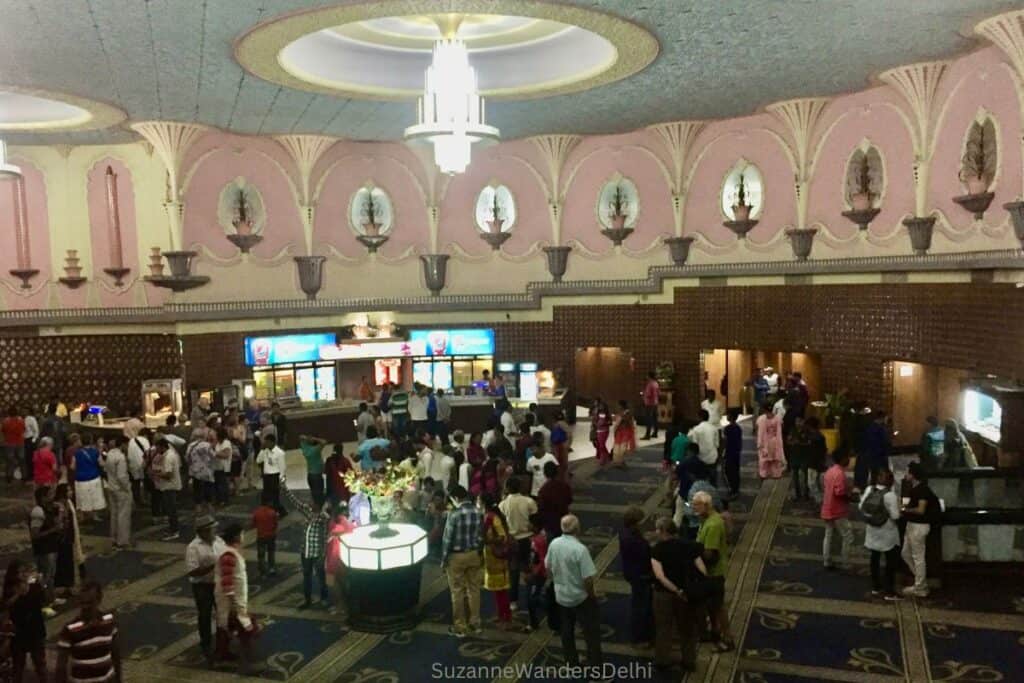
column 451, row 110
column 7, row 170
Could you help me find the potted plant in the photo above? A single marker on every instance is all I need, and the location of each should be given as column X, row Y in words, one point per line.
column 371, row 228
column 862, row 199
column 978, row 157
column 382, row 488
column 618, row 209
column 741, row 210
column 243, row 218
column 496, row 220
column 665, row 374
column 836, row 406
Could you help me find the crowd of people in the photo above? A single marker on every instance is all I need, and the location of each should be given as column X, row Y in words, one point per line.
column 496, row 505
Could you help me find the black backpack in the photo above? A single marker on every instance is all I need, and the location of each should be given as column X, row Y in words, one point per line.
column 873, row 508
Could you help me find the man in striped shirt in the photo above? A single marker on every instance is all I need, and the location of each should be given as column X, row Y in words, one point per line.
column 88, row 650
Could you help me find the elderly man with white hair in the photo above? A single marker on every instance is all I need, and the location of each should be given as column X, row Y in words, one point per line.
column 713, row 535
column 573, row 573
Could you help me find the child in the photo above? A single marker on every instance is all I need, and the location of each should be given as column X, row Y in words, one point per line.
column 733, row 448
column 537, row 575
column 339, row 526
column 264, row 520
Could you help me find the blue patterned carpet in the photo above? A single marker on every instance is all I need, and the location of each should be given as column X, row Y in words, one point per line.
column 793, row 620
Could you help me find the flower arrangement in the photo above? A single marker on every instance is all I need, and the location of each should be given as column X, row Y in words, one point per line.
column 382, row 483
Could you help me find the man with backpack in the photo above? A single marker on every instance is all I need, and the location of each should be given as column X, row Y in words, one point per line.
column 880, row 509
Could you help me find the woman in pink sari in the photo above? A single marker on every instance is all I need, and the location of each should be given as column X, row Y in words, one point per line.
column 771, row 461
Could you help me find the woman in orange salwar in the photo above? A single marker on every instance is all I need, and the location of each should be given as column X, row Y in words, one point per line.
column 624, row 435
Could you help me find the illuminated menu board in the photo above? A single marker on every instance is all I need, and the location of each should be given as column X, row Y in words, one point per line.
column 292, row 348
column 472, row 342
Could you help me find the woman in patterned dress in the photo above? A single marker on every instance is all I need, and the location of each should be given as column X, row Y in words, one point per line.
column 771, row 460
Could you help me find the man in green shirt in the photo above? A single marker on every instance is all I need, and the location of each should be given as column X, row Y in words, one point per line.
column 312, row 450
column 714, row 537
column 679, row 447
column 399, row 412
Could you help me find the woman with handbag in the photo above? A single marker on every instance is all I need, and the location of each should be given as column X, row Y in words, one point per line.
column 681, row 586
column 499, row 550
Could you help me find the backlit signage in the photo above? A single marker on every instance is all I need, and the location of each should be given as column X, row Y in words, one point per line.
column 472, row 342
column 395, row 349
column 292, row 348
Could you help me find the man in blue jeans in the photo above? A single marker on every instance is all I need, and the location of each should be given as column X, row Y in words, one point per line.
column 314, row 544
column 573, row 573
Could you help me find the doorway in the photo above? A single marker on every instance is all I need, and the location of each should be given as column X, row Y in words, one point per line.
column 605, row 371
column 727, row 370
column 919, row 391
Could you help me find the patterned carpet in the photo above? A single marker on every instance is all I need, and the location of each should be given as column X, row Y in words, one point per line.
column 793, row 620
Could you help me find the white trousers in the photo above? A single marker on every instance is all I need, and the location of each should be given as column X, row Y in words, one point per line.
column 120, row 516
column 914, row 553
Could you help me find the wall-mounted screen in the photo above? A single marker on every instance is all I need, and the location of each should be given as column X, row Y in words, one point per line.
column 983, row 415
column 472, row 342
column 292, row 348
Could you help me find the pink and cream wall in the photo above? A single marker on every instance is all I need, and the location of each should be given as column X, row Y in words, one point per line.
column 918, row 118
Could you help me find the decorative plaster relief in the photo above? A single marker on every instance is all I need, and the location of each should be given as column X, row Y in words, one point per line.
column 370, row 211
column 742, row 186
column 618, row 203
column 495, row 209
column 240, row 209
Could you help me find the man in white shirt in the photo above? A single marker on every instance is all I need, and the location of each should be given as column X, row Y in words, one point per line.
column 780, row 407
column 166, row 468
column 714, row 408
column 272, row 460
column 772, row 378
column 531, row 425
column 418, row 404
column 507, row 420
column 136, row 452
column 535, row 463
column 200, row 559
column 705, row 435
column 119, row 493
column 517, row 509
column 436, row 464
column 363, row 421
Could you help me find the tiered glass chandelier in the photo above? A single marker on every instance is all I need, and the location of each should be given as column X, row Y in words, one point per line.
column 451, row 110
column 7, row 169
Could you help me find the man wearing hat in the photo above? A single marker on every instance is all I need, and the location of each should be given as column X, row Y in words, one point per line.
column 200, row 560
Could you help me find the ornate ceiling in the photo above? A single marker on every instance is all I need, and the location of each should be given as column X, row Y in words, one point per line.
column 157, row 60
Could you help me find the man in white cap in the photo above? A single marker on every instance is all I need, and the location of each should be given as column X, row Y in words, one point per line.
column 200, row 560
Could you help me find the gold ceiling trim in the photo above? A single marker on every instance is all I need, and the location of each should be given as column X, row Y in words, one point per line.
column 96, row 115
column 258, row 51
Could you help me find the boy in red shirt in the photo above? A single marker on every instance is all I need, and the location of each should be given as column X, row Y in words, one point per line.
column 264, row 521
column 538, row 575
column 835, row 509
column 13, row 428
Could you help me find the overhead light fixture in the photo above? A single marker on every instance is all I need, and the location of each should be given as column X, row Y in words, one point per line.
column 7, row 170
column 451, row 110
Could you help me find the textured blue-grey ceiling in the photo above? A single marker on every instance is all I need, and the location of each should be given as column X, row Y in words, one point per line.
column 172, row 59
